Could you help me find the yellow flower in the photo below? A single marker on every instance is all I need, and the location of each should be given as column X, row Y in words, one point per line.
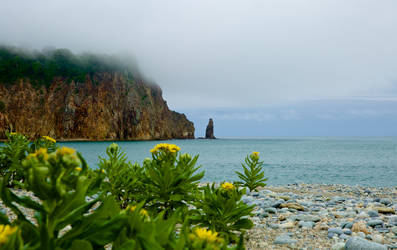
column 13, row 133
column 254, row 156
column 78, row 169
column 41, row 152
column 165, row 147
column 227, row 185
column 49, row 139
column 5, row 232
column 103, row 171
column 142, row 212
column 205, row 235
column 65, row 151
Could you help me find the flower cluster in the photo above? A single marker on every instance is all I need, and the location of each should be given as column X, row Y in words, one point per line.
column 205, row 235
column 227, row 186
column 49, row 139
column 41, row 152
column 65, row 151
column 5, row 232
column 165, row 147
column 255, row 155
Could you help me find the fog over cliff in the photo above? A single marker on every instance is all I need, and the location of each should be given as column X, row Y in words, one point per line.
column 210, row 57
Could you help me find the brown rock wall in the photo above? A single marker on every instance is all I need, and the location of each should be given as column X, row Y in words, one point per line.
column 106, row 106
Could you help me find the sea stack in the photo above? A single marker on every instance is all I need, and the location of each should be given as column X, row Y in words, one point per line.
column 209, row 132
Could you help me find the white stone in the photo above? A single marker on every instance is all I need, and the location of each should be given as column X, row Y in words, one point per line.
column 378, row 238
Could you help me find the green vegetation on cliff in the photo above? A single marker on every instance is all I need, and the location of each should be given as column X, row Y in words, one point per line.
column 42, row 67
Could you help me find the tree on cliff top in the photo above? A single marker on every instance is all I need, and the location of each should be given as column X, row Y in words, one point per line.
column 42, row 67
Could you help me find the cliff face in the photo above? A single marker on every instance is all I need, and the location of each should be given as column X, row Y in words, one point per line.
column 107, row 106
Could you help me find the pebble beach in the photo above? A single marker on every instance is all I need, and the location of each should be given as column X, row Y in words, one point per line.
column 315, row 216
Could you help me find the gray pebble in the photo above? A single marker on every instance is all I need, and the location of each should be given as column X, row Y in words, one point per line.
column 385, row 201
column 373, row 223
column 343, row 236
column 348, row 225
column 347, row 231
column 307, row 224
column 307, row 217
column 284, row 239
column 338, row 246
column 356, row 243
column 393, row 220
column 270, row 210
column 373, row 213
column 264, row 215
column 335, row 230
column 277, row 203
column 382, row 229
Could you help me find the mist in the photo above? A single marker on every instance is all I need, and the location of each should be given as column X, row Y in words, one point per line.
column 226, row 54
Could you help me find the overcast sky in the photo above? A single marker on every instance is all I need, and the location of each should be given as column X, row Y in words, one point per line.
column 247, row 62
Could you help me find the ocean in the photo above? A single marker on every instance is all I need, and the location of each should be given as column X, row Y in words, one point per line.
column 366, row 161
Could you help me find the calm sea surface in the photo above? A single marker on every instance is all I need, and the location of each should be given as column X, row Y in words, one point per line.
column 344, row 160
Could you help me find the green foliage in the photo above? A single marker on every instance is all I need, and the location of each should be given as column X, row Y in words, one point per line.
column 221, row 210
column 15, row 149
column 124, row 180
column 60, row 181
column 42, row 67
column 253, row 176
column 171, row 179
column 147, row 232
column 43, row 142
column 11, row 155
column 154, row 206
column 166, row 182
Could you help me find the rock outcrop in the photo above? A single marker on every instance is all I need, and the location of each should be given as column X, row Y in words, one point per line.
column 107, row 106
column 209, row 132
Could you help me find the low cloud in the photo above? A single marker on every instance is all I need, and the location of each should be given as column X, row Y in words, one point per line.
column 226, row 53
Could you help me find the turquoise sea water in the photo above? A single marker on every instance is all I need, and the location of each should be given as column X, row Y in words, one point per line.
column 353, row 161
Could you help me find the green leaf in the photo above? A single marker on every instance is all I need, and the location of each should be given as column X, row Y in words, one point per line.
column 81, row 245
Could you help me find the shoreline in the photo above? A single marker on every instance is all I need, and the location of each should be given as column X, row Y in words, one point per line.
column 323, row 216
column 111, row 140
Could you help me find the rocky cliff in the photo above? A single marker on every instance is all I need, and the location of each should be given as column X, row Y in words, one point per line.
column 107, row 106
